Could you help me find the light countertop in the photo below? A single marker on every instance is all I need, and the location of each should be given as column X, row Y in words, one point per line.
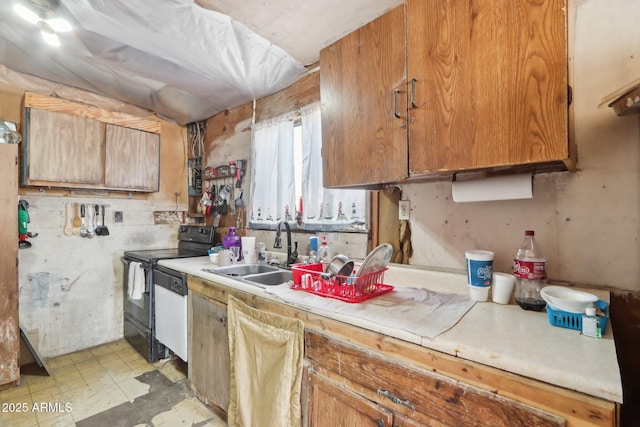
column 502, row 336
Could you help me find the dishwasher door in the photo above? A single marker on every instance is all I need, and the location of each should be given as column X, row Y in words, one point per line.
column 171, row 311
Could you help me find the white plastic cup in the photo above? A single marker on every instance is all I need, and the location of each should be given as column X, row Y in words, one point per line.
column 479, row 293
column 307, row 281
column 214, row 257
column 479, row 267
column 502, row 287
column 249, row 249
column 224, row 257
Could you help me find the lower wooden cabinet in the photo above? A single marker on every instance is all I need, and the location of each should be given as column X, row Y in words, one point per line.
column 357, row 377
column 209, row 366
column 365, row 389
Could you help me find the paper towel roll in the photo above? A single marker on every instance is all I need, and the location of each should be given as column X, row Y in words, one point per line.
column 508, row 187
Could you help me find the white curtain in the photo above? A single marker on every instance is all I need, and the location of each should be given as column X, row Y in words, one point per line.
column 320, row 205
column 272, row 183
column 273, row 178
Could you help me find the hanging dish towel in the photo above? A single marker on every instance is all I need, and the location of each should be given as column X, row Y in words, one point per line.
column 136, row 281
column 266, row 367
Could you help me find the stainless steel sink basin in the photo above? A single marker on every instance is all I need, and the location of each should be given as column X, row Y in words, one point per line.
column 254, row 274
column 239, row 270
column 270, row 279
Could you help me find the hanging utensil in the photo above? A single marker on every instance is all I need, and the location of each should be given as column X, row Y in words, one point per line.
column 104, row 231
column 83, row 228
column 76, row 220
column 232, row 205
column 224, row 191
column 91, row 231
column 68, row 227
column 239, row 202
column 96, row 223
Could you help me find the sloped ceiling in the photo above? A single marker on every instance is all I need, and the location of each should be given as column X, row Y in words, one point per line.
column 185, row 61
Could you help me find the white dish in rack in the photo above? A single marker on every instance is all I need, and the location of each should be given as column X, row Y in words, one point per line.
column 377, row 260
column 566, row 299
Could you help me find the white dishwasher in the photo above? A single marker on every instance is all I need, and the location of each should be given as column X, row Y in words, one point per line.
column 170, row 289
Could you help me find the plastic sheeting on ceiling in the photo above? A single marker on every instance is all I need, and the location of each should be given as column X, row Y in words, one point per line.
column 172, row 57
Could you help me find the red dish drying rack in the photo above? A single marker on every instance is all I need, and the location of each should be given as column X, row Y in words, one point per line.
column 348, row 289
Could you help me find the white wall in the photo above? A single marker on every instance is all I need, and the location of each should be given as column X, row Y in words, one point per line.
column 71, row 287
column 588, row 222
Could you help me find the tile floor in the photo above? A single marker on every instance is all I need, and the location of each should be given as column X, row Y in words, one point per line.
column 109, row 385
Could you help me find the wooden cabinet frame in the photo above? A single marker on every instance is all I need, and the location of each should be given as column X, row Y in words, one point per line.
column 72, row 145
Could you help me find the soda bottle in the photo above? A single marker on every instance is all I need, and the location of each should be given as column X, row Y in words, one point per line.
column 529, row 269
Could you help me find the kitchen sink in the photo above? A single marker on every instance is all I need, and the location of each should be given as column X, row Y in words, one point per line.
column 254, row 274
column 270, row 279
column 239, row 270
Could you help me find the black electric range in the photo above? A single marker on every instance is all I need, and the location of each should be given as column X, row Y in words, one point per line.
column 138, row 289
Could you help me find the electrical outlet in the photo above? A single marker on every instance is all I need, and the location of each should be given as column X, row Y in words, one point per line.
column 403, row 210
column 117, row 217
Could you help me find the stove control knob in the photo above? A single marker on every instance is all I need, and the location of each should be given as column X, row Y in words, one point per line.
column 182, row 229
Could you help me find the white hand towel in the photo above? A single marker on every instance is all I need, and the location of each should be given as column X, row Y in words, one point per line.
column 136, row 281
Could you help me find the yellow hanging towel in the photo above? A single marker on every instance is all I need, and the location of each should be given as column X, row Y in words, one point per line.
column 266, row 353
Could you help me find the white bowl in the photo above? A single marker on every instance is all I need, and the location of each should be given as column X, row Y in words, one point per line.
column 567, row 299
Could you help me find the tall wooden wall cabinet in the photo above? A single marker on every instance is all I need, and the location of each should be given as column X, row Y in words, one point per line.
column 9, row 323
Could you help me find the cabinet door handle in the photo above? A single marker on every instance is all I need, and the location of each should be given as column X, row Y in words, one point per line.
column 396, row 399
column 395, row 104
column 413, row 93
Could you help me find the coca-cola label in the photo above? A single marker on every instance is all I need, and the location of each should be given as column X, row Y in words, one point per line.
column 530, row 270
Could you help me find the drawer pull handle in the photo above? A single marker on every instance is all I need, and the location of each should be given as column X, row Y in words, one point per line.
column 396, row 399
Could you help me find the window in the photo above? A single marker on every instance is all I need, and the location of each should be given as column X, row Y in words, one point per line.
column 287, row 178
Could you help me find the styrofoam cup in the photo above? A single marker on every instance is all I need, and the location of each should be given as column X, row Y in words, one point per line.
column 502, row 287
column 479, row 267
column 479, row 293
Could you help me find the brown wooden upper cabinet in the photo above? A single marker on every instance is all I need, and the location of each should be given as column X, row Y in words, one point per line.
column 70, row 145
column 437, row 87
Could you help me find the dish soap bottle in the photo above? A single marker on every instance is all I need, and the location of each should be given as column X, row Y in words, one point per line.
column 323, row 254
column 313, row 250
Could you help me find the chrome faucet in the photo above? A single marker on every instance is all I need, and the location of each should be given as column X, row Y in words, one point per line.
column 292, row 255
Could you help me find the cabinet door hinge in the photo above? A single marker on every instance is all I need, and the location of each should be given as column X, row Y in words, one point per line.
column 569, row 95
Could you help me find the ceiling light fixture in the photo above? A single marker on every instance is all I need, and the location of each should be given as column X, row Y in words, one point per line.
column 48, row 34
column 26, row 13
column 49, row 26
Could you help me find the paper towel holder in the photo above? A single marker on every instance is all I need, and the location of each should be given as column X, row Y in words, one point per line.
column 482, row 188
